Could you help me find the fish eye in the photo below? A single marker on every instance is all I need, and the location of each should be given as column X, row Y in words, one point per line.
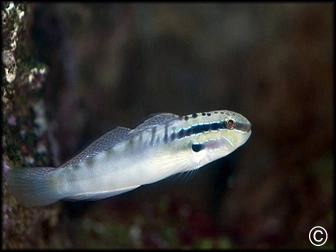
column 230, row 123
column 197, row 147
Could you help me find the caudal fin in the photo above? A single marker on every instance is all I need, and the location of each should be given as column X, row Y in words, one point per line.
column 33, row 186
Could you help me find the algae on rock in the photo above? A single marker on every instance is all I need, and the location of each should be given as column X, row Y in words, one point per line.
column 25, row 136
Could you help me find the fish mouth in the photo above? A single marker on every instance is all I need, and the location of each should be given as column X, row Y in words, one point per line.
column 244, row 127
column 248, row 127
column 247, row 135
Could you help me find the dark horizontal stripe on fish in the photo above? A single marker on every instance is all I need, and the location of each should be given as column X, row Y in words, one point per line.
column 193, row 130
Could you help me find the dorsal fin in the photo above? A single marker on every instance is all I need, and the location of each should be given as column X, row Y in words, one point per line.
column 154, row 120
column 104, row 142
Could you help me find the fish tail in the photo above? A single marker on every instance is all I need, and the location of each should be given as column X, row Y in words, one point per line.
column 33, row 186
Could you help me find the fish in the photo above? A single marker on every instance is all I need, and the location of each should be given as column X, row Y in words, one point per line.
column 124, row 159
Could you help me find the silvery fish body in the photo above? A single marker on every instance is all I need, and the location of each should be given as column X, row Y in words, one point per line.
column 124, row 159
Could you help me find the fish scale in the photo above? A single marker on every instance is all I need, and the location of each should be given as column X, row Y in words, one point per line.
column 124, row 159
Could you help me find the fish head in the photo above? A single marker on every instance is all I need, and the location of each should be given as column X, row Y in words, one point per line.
column 218, row 141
